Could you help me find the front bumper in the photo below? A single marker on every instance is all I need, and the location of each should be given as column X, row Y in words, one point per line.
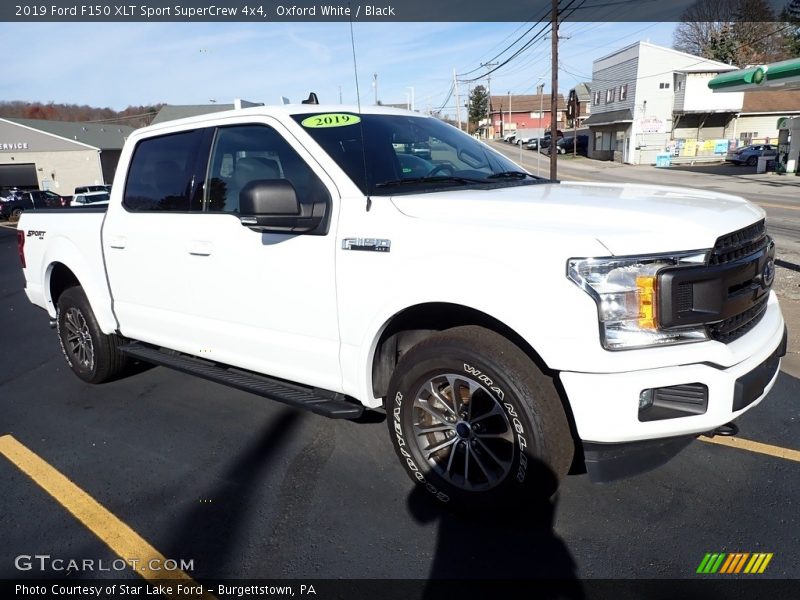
column 611, row 461
column 606, row 405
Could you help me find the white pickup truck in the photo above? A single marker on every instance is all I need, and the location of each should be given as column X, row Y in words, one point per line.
column 510, row 327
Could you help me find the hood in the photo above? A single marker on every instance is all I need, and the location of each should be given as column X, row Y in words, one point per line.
column 625, row 218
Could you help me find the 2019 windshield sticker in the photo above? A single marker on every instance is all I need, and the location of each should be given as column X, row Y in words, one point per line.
column 330, row 120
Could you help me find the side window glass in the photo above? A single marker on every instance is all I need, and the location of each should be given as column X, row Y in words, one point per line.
column 160, row 175
column 245, row 153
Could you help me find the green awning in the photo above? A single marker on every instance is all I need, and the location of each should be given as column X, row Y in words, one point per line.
column 783, row 70
column 779, row 75
column 743, row 77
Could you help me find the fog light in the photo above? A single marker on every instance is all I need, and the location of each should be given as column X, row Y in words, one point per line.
column 673, row 401
column 645, row 399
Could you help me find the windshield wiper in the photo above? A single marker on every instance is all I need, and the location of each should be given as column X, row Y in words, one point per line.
column 435, row 179
column 511, row 175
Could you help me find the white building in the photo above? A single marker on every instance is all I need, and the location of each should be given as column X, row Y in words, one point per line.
column 58, row 155
column 645, row 98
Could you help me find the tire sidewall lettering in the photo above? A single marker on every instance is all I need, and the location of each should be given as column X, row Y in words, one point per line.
column 513, row 417
column 409, row 461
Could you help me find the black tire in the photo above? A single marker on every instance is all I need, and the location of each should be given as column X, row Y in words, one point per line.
column 752, row 161
column 15, row 214
column 517, row 441
column 92, row 355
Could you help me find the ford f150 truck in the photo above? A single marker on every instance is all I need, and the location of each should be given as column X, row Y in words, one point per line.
column 511, row 327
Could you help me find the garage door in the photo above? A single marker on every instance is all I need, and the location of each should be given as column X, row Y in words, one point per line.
column 21, row 176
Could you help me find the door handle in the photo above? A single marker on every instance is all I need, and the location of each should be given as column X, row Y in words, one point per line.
column 118, row 241
column 200, row 248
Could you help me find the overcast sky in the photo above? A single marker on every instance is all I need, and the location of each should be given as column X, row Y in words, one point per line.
column 122, row 64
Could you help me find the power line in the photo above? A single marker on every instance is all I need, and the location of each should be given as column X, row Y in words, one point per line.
column 511, row 45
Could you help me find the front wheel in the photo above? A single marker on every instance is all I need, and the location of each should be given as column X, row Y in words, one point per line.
column 92, row 355
column 475, row 422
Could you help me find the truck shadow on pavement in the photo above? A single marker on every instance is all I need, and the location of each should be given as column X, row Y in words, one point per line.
column 213, row 528
column 504, row 547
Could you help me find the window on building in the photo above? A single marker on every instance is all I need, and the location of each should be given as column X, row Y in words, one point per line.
column 663, row 86
column 610, row 95
column 596, row 98
column 623, row 91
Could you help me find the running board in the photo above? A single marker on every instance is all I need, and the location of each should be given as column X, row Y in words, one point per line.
column 322, row 402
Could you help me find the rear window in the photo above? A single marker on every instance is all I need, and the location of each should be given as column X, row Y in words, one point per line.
column 160, row 175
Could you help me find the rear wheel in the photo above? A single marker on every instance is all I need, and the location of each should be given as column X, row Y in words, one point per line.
column 752, row 161
column 475, row 422
column 92, row 355
column 16, row 214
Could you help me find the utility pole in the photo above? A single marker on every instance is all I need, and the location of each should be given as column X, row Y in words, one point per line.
column 340, row 94
column 489, row 66
column 554, row 92
column 458, row 100
column 540, row 91
column 411, row 87
column 509, row 108
column 375, row 85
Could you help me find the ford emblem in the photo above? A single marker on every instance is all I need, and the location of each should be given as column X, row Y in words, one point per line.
column 768, row 274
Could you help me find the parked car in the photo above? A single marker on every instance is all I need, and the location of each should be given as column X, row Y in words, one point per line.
column 533, row 144
column 545, row 141
column 85, row 189
column 13, row 205
column 565, row 145
column 749, row 154
column 509, row 138
column 90, row 199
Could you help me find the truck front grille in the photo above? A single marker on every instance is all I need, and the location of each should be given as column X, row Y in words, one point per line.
column 742, row 242
column 729, row 294
column 735, row 327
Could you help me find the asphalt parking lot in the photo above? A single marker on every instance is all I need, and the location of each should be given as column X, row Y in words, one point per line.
column 245, row 488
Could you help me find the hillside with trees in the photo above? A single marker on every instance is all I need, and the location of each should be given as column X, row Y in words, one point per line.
column 135, row 116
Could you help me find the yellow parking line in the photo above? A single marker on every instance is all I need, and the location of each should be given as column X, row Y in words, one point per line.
column 734, row 442
column 118, row 536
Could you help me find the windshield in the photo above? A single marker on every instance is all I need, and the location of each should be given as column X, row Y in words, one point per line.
column 408, row 154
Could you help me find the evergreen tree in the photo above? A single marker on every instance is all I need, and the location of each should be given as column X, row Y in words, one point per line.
column 478, row 105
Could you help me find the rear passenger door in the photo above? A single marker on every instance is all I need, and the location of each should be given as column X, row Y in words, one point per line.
column 201, row 282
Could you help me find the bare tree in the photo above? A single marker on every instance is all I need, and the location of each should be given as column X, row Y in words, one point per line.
column 738, row 32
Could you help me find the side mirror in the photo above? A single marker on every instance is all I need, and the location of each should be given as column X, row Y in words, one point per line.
column 271, row 206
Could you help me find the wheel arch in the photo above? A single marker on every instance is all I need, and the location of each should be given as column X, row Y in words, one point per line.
column 60, row 278
column 415, row 323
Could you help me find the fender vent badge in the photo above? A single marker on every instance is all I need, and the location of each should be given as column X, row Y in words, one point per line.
column 369, row 244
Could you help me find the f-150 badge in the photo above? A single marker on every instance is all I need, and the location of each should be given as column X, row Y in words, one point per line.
column 369, row 244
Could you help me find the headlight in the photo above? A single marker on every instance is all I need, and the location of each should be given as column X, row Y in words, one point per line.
column 625, row 289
